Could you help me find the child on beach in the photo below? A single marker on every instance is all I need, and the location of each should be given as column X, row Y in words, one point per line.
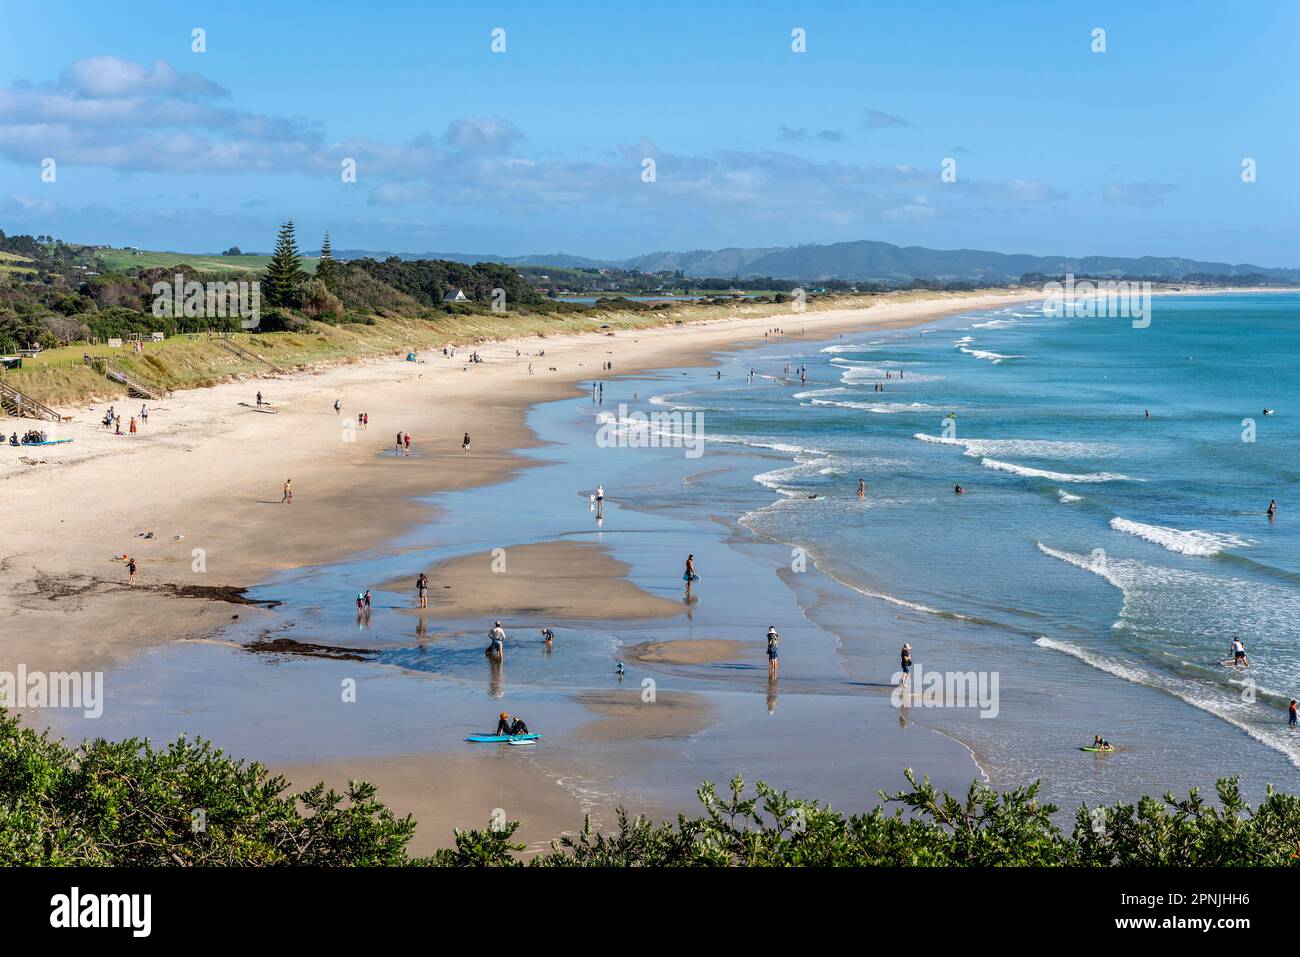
column 288, row 492
column 130, row 571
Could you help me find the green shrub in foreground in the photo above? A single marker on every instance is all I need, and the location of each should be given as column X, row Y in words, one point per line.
column 128, row 803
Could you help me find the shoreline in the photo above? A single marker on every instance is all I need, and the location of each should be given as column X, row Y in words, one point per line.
column 502, row 462
column 205, row 474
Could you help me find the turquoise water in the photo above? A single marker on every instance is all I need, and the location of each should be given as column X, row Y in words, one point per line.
column 1089, row 534
column 1098, row 564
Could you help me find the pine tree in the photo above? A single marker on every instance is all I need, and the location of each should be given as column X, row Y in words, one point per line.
column 327, row 268
column 284, row 273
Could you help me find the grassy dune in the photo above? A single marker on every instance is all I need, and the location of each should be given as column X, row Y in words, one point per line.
column 58, row 377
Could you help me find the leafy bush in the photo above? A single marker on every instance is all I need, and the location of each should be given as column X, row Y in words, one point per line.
column 129, row 804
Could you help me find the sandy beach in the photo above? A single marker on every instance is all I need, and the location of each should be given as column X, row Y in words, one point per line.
column 195, row 498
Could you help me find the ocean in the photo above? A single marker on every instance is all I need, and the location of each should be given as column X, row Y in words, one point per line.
column 1110, row 542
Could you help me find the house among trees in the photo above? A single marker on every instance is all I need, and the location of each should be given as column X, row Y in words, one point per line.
column 456, row 295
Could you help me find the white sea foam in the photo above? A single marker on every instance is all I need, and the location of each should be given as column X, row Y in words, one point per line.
column 1067, row 498
column 1227, row 705
column 814, row 393
column 1050, row 475
column 857, row 374
column 1193, row 542
column 1033, row 448
column 996, row 324
column 997, row 358
column 846, row 347
column 880, row 408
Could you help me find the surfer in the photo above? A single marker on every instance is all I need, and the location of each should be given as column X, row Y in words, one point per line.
column 511, row 728
column 1239, row 659
column 689, row 575
column 1100, row 744
column 1272, row 508
column 1291, row 714
column 958, row 490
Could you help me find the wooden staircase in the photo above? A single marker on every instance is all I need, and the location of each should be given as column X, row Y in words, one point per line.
column 233, row 347
column 123, row 378
column 17, row 404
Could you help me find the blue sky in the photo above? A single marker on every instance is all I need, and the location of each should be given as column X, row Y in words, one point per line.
column 1058, row 149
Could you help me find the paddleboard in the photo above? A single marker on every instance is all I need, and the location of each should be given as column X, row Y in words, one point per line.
column 1232, row 663
column 690, row 578
column 47, row 442
column 1098, row 750
column 528, row 740
column 500, row 738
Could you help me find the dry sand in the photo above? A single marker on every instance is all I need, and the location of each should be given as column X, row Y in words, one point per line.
column 205, row 478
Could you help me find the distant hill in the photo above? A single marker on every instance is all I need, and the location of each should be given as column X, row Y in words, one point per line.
column 868, row 260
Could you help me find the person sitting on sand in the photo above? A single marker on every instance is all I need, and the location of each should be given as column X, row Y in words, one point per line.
column 505, row 726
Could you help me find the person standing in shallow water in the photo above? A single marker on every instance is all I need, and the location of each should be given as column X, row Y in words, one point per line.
column 773, row 641
column 906, row 665
column 422, row 589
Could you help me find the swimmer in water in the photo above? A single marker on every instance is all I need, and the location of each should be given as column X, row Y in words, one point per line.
column 958, row 490
column 862, row 488
column 1272, row 508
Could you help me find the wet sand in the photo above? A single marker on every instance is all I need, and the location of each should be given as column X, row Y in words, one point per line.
column 205, row 479
column 532, row 584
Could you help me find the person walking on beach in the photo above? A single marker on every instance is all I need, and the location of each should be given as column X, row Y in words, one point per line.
column 338, row 406
column 288, row 492
column 130, row 571
column 398, row 447
column 906, row 665
column 259, row 397
column 406, row 440
column 600, row 495
column 133, row 428
column 365, row 420
column 422, row 589
column 496, row 648
column 773, row 640
column 144, row 415
column 689, row 576
column 366, row 599
column 464, row 446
